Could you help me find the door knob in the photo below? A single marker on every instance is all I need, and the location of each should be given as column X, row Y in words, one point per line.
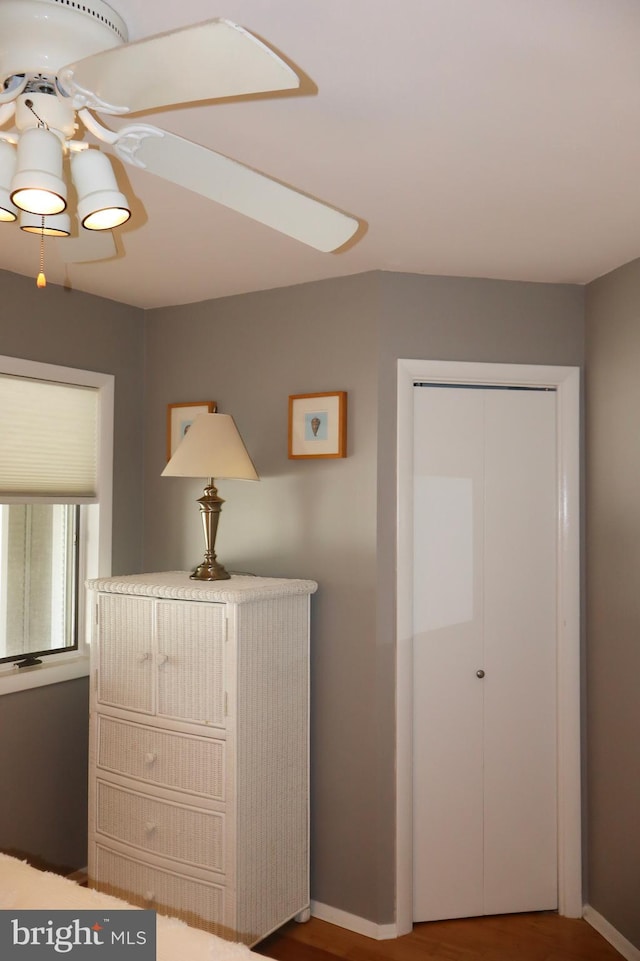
column 480, row 673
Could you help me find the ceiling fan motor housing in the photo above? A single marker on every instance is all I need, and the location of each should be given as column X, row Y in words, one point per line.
column 38, row 37
column 57, row 113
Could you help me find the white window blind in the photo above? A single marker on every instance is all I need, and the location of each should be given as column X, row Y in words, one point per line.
column 48, row 439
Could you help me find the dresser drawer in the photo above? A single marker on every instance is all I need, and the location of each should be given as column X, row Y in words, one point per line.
column 171, row 830
column 179, row 761
column 199, row 903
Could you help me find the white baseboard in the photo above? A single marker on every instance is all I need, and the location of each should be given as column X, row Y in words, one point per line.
column 386, row 932
column 381, row 932
column 602, row 926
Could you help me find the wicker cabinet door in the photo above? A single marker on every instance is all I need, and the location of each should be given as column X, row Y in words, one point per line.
column 126, row 663
column 190, row 661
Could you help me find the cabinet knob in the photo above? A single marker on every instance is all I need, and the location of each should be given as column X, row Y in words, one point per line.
column 149, row 896
column 162, row 659
column 150, row 827
column 480, row 673
column 150, row 758
column 143, row 657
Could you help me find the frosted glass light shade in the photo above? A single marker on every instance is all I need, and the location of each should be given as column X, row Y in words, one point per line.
column 101, row 205
column 8, row 160
column 212, row 447
column 37, row 185
column 59, row 225
column 8, row 211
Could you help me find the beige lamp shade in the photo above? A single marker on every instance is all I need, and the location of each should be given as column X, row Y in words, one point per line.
column 212, row 447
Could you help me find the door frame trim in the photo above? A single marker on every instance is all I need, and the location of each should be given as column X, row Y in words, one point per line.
column 566, row 381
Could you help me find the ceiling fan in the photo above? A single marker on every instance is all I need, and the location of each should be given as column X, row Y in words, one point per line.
column 63, row 61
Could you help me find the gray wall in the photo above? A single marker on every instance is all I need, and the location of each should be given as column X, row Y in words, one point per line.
column 613, row 598
column 313, row 519
column 45, row 730
column 333, row 521
column 43, row 759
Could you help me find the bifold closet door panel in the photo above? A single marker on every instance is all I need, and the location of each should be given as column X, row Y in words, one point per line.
column 447, row 590
column 520, row 821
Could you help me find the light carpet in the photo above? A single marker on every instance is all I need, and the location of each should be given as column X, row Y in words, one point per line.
column 24, row 887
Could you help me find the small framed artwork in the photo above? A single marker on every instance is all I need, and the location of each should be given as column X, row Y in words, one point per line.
column 318, row 425
column 180, row 418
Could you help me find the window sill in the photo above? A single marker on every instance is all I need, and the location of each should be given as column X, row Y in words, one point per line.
column 13, row 679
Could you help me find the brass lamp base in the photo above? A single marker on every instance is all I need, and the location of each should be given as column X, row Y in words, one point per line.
column 210, row 506
column 210, row 571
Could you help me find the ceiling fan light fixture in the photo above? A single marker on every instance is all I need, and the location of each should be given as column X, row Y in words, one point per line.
column 8, row 212
column 8, row 158
column 59, row 225
column 101, row 205
column 113, row 214
column 38, row 186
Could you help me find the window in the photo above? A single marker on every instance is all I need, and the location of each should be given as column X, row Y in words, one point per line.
column 39, row 569
column 56, row 435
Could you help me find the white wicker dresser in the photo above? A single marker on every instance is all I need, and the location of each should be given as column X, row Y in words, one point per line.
column 199, row 731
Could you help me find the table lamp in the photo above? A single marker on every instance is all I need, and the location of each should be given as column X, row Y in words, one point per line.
column 211, row 447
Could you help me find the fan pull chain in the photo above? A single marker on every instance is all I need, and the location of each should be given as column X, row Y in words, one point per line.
column 41, row 280
column 41, row 123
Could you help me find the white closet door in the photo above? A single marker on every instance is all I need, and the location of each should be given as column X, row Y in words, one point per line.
column 520, row 842
column 484, row 601
column 447, row 617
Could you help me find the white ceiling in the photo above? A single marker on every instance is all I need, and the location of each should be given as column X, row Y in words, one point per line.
column 486, row 138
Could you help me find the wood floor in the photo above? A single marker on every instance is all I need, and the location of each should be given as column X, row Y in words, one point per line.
column 519, row 937
column 509, row 937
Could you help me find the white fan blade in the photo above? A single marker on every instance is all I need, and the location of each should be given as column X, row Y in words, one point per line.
column 236, row 186
column 206, row 61
column 90, row 245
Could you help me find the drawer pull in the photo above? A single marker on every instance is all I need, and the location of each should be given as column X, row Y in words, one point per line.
column 162, row 659
column 143, row 657
column 150, row 827
column 150, row 758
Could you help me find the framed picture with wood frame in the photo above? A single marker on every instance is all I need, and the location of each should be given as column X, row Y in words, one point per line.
column 180, row 418
column 318, row 425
